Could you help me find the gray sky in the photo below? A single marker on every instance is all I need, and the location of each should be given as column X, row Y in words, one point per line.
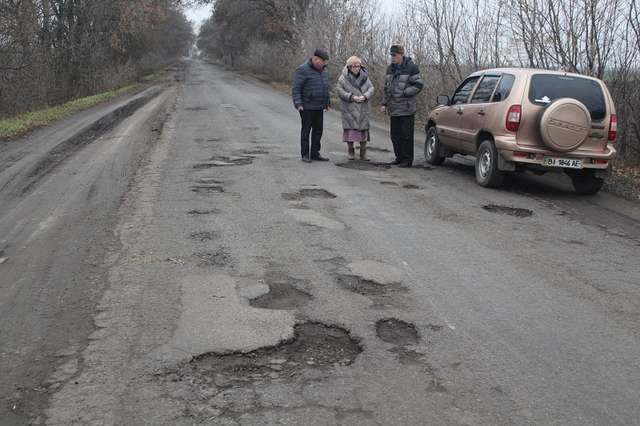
column 200, row 13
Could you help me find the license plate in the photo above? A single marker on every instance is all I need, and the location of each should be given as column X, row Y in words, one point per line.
column 568, row 163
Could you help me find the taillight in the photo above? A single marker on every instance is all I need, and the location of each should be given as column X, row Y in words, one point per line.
column 613, row 128
column 513, row 118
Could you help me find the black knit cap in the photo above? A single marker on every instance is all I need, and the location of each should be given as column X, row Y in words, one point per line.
column 321, row 53
column 397, row 48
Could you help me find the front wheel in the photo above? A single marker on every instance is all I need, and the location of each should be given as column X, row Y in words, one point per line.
column 585, row 182
column 487, row 172
column 432, row 148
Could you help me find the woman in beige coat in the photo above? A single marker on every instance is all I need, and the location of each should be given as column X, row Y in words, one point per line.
column 355, row 89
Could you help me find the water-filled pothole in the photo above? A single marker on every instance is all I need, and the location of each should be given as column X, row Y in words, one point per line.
column 363, row 165
column 511, row 211
column 221, row 161
column 284, row 293
column 397, row 332
column 314, row 345
column 308, row 193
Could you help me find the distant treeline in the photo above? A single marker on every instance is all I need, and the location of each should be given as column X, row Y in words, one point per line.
column 55, row 50
column 447, row 38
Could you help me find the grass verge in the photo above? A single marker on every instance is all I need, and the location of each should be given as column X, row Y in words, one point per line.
column 24, row 123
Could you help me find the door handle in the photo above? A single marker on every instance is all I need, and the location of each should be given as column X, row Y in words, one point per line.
column 481, row 112
column 460, row 111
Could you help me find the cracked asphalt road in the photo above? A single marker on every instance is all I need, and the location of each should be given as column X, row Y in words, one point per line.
column 222, row 281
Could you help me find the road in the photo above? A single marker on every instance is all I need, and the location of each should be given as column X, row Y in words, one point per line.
column 182, row 266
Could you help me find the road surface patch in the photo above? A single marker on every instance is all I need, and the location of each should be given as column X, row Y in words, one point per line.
column 510, row 211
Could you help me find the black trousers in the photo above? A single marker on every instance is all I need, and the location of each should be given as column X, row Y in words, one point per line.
column 312, row 122
column 402, row 129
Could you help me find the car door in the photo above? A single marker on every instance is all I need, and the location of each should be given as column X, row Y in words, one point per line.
column 448, row 120
column 472, row 118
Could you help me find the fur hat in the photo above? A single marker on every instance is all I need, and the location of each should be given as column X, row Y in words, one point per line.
column 397, row 48
column 321, row 53
column 354, row 60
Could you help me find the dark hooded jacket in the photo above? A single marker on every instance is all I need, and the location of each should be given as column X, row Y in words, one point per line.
column 402, row 83
column 310, row 87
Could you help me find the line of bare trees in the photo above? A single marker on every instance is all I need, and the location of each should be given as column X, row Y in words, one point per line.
column 55, row 50
column 447, row 38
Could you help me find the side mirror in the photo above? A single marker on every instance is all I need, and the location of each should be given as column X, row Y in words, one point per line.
column 443, row 100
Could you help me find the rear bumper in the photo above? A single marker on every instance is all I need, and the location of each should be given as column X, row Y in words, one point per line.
column 534, row 156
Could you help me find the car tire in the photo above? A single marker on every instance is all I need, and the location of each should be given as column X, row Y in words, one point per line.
column 487, row 172
column 585, row 182
column 433, row 148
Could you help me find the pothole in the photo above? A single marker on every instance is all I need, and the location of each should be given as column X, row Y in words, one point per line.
column 203, row 236
column 203, row 212
column 197, row 108
column 209, row 181
column 258, row 151
column 397, row 332
column 222, row 161
column 376, row 149
column 308, row 193
column 363, row 165
column 511, row 211
column 283, row 294
column 388, row 183
column 314, row 345
column 365, row 287
column 410, row 186
column 207, row 189
column 218, row 258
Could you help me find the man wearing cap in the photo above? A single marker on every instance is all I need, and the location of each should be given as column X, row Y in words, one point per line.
column 402, row 84
column 311, row 98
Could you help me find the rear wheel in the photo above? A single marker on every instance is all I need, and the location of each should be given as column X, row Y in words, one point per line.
column 585, row 182
column 432, row 148
column 487, row 172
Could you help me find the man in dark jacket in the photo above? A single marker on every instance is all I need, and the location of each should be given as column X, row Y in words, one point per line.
column 311, row 98
column 402, row 84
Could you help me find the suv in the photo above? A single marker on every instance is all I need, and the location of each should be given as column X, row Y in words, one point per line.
column 516, row 119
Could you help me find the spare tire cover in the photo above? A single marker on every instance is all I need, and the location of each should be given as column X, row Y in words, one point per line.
column 565, row 124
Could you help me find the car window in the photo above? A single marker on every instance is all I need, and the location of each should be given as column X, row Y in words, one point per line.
column 504, row 88
column 485, row 89
column 545, row 88
column 462, row 94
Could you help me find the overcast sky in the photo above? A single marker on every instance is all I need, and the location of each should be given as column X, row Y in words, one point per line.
column 200, row 13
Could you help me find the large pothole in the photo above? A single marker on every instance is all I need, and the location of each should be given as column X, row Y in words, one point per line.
column 363, row 165
column 217, row 258
column 314, row 345
column 308, row 193
column 510, row 211
column 207, row 189
column 203, row 212
column 222, row 161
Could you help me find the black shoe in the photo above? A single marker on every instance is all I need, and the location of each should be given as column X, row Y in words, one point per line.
column 319, row 158
column 306, row 159
column 405, row 165
column 394, row 162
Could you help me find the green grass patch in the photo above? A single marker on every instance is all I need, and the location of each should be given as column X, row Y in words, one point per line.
column 21, row 124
